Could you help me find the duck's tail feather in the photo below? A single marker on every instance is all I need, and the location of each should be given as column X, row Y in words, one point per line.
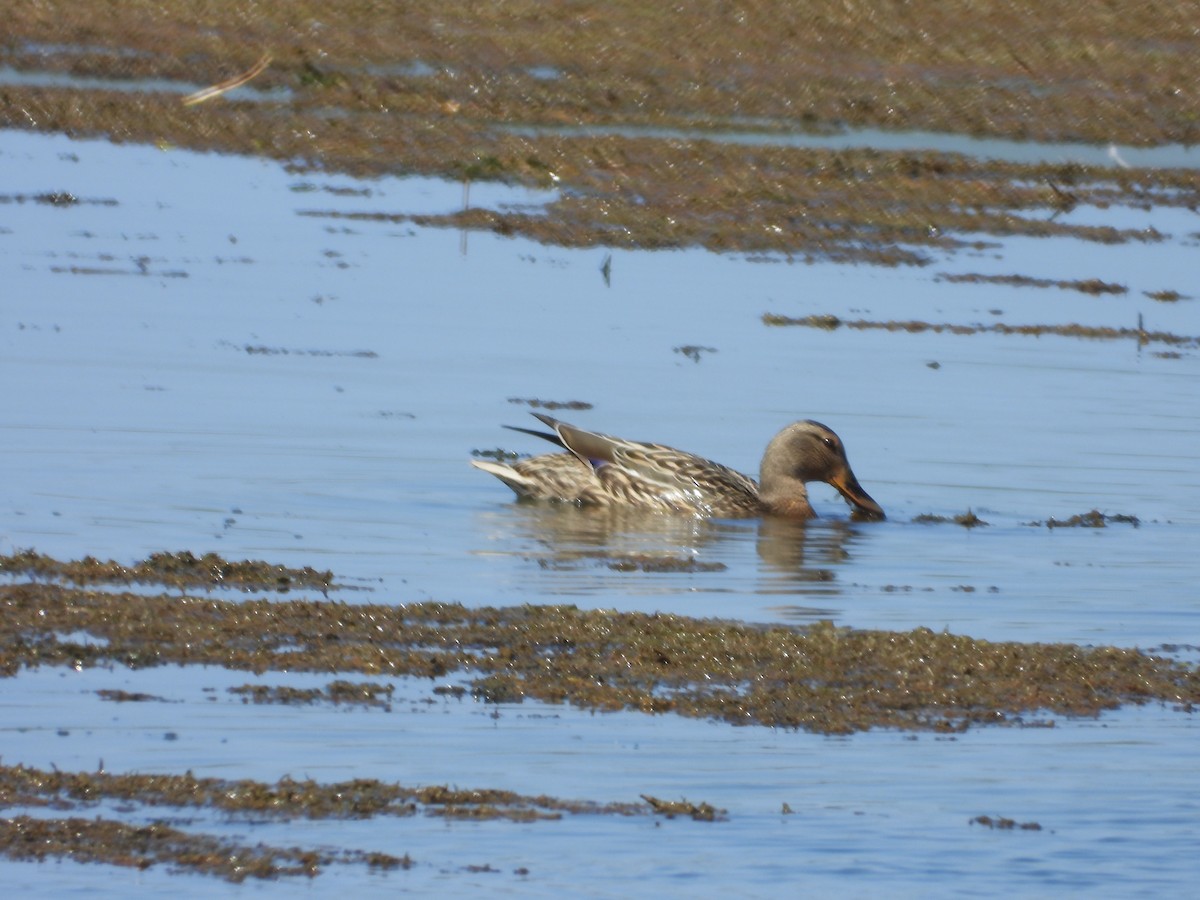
column 550, row 436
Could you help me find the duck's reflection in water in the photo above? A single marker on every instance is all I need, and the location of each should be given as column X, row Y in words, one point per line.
column 579, row 549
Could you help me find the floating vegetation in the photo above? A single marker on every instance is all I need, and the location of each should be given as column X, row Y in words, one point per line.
column 693, row 351
column 100, row 840
column 1004, row 824
column 176, row 570
column 339, row 693
column 118, row 696
column 701, row 210
column 536, row 403
column 362, row 798
column 1092, row 519
column 913, row 326
column 142, row 846
column 671, row 808
column 818, row 678
column 966, row 520
column 57, row 198
column 337, row 190
column 1167, row 296
column 499, row 454
column 142, row 270
column 969, row 520
column 263, row 350
column 1086, row 286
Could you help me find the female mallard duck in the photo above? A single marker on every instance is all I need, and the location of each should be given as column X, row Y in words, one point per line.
column 606, row 471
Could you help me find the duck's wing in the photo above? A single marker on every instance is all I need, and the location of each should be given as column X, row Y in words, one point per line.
column 654, row 474
column 593, row 448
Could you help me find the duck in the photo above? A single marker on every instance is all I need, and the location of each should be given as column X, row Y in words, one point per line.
column 601, row 470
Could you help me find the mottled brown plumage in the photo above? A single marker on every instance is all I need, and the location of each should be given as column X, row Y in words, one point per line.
column 606, row 471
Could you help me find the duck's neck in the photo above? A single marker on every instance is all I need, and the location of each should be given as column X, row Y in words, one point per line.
column 785, row 495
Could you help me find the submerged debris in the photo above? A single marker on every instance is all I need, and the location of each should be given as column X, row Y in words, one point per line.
column 229, row 84
column 647, row 562
column 630, row 562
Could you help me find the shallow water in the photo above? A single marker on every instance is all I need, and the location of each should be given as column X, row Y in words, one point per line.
column 873, row 811
column 197, row 356
column 768, row 134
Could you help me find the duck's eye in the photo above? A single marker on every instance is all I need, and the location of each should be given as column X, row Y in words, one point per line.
column 830, row 443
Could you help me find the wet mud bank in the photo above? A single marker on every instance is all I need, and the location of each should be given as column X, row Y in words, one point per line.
column 819, row 678
column 628, row 112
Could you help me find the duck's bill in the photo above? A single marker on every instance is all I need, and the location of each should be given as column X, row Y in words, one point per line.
column 864, row 506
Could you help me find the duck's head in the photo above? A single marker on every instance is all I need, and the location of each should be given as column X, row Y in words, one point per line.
column 809, row 451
